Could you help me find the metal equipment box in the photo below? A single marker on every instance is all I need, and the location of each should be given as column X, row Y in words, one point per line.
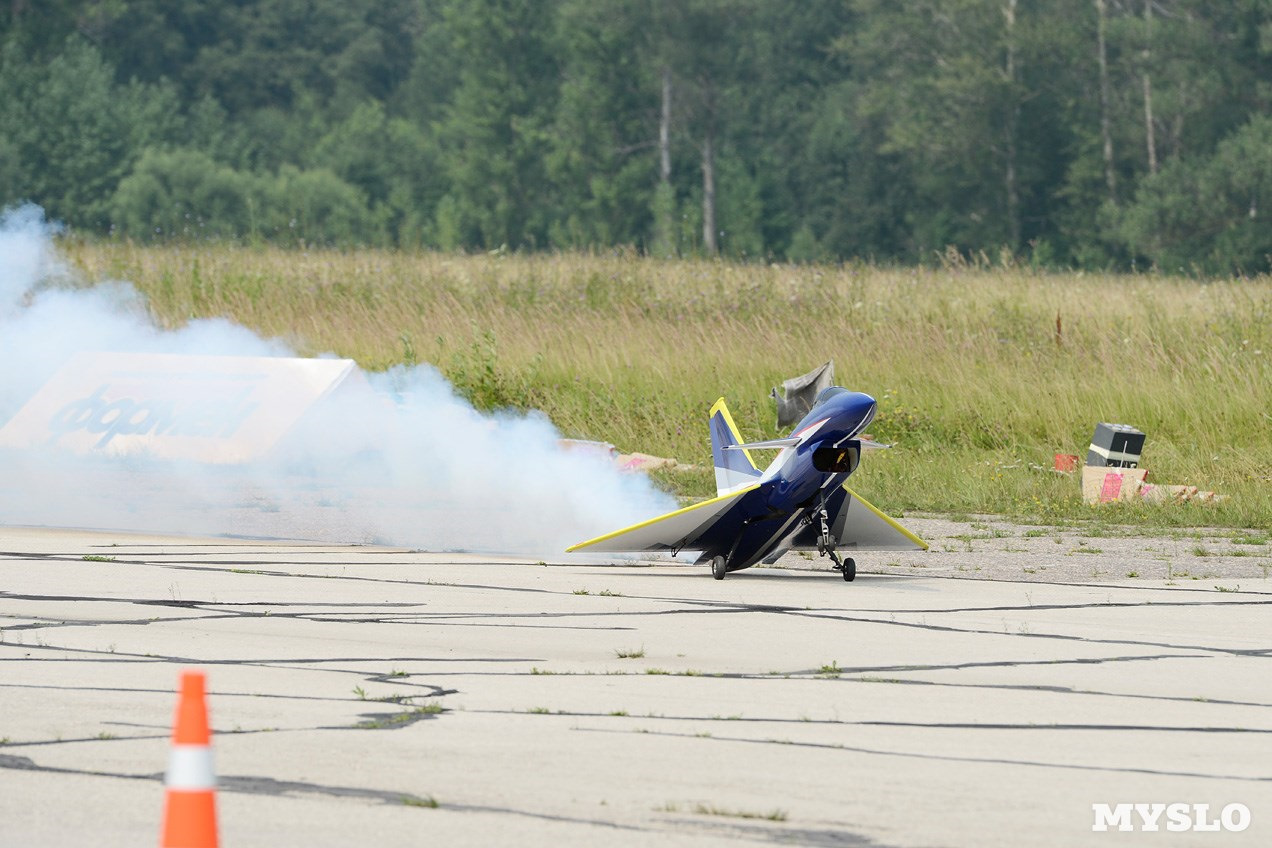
column 1115, row 446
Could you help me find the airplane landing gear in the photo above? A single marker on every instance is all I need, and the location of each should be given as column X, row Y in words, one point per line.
column 826, row 547
column 718, row 567
column 849, row 568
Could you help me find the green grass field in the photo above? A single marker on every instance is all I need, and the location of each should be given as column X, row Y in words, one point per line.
column 982, row 374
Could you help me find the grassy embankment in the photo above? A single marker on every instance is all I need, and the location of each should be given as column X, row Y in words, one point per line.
column 976, row 386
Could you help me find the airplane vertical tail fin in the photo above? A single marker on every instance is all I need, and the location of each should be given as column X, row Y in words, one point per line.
column 734, row 469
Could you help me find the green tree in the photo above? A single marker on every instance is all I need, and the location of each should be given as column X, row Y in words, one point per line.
column 317, row 207
column 185, row 194
column 1209, row 214
column 1075, row 132
column 39, row 28
column 498, row 124
column 603, row 154
column 392, row 162
column 73, row 133
column 703, row 45
column 785, row 101
column 944, row 80
column 256, row 54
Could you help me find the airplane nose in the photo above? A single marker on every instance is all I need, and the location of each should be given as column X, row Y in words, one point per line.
column 862, row 408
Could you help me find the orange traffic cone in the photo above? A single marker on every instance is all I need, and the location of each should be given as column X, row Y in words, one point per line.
column 189, row 813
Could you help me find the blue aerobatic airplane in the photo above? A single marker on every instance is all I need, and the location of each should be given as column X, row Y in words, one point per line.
column 800, row 502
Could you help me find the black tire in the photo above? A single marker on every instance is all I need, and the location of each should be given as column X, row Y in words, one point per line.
column 850, row 569
column 718, row 567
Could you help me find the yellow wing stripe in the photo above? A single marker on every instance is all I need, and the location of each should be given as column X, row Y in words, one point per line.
column 731, row 496
column 895, row 526
column 721, row 407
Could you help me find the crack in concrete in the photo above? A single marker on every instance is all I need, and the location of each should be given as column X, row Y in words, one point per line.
column 436, row 692
column 696, row 606
column 1093, row 605
column 255, row 785
column 98, row 655
column 122, row 656
column 778, row 834
column 249, row 566
column 922, row 725
column 1240, row 652
column 940, row 757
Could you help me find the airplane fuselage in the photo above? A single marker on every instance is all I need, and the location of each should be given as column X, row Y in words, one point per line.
column 801, row 501
column 802, row 479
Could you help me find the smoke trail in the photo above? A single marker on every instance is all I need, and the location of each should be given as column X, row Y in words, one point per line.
column 402, row 460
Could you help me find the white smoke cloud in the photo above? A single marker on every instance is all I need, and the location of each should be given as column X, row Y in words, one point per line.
column 402, row 461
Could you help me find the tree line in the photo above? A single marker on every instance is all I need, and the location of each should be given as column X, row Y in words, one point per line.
column 1066, row 133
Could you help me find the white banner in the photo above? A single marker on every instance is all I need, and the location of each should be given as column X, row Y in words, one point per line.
column 222, row 409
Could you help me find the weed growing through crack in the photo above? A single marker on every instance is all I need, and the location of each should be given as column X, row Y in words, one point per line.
column 631, row 654
column 402, row 718
column 711, row 810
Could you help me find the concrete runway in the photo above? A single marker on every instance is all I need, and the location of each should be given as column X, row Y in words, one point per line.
column 354, row 687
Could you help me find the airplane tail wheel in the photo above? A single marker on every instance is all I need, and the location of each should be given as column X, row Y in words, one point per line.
column 850, row 569
column 717, row 567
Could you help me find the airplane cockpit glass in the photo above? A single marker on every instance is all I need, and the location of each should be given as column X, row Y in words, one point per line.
column 827, row 394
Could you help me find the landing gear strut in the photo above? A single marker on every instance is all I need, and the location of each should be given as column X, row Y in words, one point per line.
column 826, row 547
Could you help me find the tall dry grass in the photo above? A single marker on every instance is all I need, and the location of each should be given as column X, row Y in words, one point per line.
column 982, row 374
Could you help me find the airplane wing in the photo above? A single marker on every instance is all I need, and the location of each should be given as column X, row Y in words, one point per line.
column 771, row 443
column 859, row 524
column 674, row 531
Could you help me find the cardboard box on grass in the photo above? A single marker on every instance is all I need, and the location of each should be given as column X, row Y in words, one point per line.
column 1104, row 485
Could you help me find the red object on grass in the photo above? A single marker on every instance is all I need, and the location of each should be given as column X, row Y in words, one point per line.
column 1066, row 462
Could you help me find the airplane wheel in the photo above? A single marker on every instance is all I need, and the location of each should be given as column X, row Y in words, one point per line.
column 717, row 567
column 850, row 569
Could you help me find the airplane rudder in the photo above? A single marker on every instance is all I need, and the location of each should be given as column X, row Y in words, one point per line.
column 733, row 468
column 722, row 432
